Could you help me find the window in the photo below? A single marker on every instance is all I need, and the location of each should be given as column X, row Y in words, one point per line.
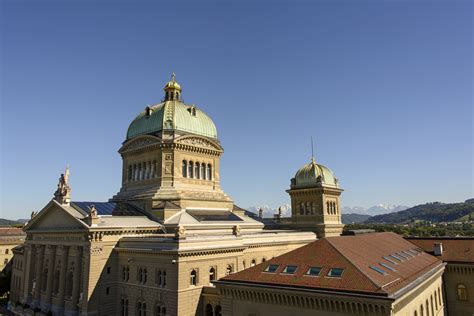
column 209, row 310
column 125, row 273
column 389, row 260
column 228, row 270
column 253, row 263
column 142, row 275
column 190, row 169
column 124, row 307
column 107, row 290
column 314, row 271
column 5, row 261
column 7, row 251
column 203, row 171
column 382, row 272
column 335, row 272
column 56, row 281
column 160, row 310
column 209, row 172
column 193, row 278
column 184, row 170
column 290, row 269
column 141, row 309
column 271, row 268
column 218, row 310
column 196, row 170
column 397, row 258
column 163, row 281
column 462, row 292
column 69, row 282
column 212, row 274
column 387, row 266
column 108, row 270
column 263, row 260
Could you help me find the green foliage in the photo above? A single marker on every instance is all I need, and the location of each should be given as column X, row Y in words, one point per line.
column 421, row 229
column 433, row 212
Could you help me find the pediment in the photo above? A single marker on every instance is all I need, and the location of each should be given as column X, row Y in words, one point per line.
column 200, row 142
column 54, row 217
column 139, row 143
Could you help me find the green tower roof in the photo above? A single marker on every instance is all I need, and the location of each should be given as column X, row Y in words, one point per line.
column 313, row 174
column 172, row 114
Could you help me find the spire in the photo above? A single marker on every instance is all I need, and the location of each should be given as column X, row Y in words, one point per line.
column 172, row 89
column 312, row 150
column 63, row 193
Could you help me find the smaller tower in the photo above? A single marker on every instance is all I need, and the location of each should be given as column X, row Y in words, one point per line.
column 315, row 206
column 172, row 90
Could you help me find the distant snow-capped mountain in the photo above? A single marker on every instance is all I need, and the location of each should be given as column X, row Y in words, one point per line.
column 382, row 208
column 269, row 211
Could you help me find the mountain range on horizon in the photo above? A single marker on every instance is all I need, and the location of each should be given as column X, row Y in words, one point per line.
column 379, row 209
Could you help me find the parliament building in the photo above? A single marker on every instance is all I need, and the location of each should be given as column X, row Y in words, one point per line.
column 172, row 242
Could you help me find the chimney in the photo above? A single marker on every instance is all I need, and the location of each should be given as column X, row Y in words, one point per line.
column 438, row 249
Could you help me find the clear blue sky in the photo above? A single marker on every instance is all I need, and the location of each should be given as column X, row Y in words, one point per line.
column 384, row 87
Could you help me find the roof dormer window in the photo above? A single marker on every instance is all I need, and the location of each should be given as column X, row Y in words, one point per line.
column 192, row 110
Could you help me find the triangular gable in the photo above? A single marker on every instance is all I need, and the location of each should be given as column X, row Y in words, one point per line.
column 55, row 217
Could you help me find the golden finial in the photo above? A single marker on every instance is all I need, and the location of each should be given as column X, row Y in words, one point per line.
column 312, row 150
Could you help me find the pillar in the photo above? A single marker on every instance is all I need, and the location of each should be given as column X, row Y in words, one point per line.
column 63, row 250
column 36, row 285
column 49, row 285
column 77, row 276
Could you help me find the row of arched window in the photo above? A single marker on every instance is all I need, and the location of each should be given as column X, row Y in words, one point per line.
column 310, row 302
column 141, row 308
column 193, row 276
column 331, row 207
column 142, row 171
column 213, row 310
column 431, row 305
column 307, row 208
column 142, row 275
column 196, row 170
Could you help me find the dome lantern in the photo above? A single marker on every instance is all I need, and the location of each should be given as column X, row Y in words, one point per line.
column 172, row 90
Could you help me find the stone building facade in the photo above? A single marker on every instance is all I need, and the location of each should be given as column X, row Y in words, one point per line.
column 458, row 278
column 10, row 237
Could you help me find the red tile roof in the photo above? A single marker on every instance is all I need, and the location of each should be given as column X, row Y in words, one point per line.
column 454, row 249
column 354, row 254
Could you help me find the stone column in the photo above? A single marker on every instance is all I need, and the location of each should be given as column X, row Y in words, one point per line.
column 63, row 250
column 49, row 285
column 77, row 277
column 36, row 285
column 28, row 272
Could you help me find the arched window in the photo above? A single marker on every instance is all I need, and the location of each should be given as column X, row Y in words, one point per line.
column 141, row 309
column 427, row 308
column 244, row 264
column 228, row 270
column 421, row 309
column 144, row 276
column 439, row 297
column 184, row 170
column 160, row 310
column 159, row 278
column 415, row 314
column 431, row 305
column 308, row 208
column 263, row 260
column 163, row 278
column 301, row 208
column 327, row 208
column 218, row 310
column 254, row 262
column 124, row 307
column 462, row 292
column 313, row 208
column 203, row 171
column 196, row 170
column 190, row 169
column 209, row 311
column 209, row 172
column 193, row 278
column 436, row 300
column 212, row 274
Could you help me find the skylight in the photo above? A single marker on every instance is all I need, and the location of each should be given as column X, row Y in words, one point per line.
column 408, row 253
column 401, row 254
column 387, row 266
column 335, row 272
column 382, row 272
column 397, row 258
column 271, row 268
column 314, row 271
column 389, row 260
column 290, row 269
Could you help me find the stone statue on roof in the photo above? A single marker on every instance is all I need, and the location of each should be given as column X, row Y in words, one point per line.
column 63, row 193
column 92, row 211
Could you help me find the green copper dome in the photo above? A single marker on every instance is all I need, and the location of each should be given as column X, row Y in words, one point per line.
column 314, row 174
column 172, row 114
